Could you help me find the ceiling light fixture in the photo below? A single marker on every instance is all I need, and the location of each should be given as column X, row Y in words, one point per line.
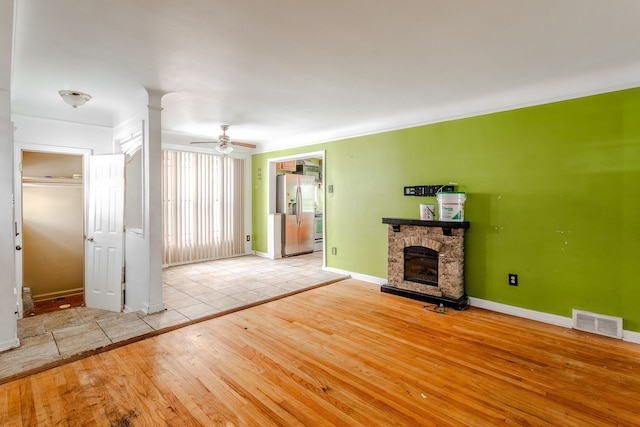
column 74, row 98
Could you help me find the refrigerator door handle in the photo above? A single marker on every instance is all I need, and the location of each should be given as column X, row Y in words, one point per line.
column 298, row 206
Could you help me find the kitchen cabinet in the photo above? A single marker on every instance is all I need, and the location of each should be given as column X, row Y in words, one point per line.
column 289, row 165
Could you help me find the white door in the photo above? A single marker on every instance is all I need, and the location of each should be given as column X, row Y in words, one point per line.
column 104, row 243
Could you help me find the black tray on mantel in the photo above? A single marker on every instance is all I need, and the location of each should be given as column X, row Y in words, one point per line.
column 397, row 222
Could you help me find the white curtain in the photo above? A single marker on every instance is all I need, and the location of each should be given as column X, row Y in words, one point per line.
column 203, row 207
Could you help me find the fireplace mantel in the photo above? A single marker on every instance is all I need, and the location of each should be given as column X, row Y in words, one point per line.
column 445, row 225
column 426, row 223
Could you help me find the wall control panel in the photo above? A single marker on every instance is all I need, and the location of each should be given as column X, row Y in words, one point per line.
column 427, row 190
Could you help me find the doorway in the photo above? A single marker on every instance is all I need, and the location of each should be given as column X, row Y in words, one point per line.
column 51, row 226
column 298, row 163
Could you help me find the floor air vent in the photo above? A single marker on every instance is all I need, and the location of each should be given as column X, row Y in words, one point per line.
column 597, row 323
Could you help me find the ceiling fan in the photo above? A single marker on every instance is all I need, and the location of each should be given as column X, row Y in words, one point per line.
column 225, row 144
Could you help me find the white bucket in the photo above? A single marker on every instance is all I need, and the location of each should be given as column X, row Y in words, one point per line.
column 427, row 212
column 451, row 206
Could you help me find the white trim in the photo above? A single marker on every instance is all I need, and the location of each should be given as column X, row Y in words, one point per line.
column 19, row 147
column 357, row 276
column 53, row 295
column 567, row 322
column 631, row 336
column 153, row 308
column 9, row 344
column 52, row 120
column 522, row 312
column 319, row 154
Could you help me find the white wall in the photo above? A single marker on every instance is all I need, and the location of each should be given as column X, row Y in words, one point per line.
column 8, row 298
column 35, row 130
column 52, row 239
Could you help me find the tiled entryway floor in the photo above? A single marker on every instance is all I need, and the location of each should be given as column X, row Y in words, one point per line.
column 190, row 292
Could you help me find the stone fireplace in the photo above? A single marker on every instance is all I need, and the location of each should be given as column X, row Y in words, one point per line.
column 426, row 261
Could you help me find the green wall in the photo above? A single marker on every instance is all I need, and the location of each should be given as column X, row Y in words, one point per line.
column 552, row 196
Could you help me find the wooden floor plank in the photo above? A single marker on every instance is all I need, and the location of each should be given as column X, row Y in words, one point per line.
column 10, row 405
column 343, row 354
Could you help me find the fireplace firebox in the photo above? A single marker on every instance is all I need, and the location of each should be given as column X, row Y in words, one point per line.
column 421, row 265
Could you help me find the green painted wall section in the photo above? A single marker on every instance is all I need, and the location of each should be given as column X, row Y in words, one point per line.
column 553, row 196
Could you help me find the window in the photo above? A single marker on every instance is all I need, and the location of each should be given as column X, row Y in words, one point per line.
column 203, row 207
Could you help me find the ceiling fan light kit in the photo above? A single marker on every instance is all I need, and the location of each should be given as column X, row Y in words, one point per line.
column 225, row 143
column 224, row 148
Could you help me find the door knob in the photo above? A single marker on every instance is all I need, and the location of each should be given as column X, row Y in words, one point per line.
column 18, row 248
column 90, row 239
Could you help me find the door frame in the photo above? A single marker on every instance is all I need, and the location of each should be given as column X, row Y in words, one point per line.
column 17, row 192
column 271, row 185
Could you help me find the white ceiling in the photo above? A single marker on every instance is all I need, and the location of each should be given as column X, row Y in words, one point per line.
column 292, row 72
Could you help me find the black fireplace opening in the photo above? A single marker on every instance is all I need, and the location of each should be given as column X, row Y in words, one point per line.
column 421, row 265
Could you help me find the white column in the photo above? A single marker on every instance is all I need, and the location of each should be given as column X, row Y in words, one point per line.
column 143, row 247
column 153, row 200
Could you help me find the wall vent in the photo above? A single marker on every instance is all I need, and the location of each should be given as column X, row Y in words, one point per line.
column 597, row 323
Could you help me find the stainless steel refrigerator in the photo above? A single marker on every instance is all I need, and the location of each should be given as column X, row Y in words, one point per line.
column 295, row 199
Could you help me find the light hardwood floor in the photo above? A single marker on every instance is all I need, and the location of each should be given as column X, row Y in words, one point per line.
column 191, row 293
column 344, row 354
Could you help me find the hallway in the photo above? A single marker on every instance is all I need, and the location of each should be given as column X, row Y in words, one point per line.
column 191, row 293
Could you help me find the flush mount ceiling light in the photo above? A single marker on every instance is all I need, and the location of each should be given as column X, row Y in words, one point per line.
column 74, row 98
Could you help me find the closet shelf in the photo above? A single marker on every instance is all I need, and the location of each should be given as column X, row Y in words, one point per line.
column 53, row 180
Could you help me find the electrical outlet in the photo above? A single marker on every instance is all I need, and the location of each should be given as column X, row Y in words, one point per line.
column 513, row 279
column 248, row 238
column 334, row 251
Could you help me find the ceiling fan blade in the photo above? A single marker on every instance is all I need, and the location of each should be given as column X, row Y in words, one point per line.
column 243, row 144
column 204, row 142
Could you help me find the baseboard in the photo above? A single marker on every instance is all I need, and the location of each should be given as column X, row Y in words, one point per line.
column 631, row 336
column 129, row 309
column 363, row 277
column 567, row 322
column 9, row 344
column 153, row 308
column 521, row 312
column 58, row 294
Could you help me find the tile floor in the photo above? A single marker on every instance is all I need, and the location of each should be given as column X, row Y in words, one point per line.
column 190, row 292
